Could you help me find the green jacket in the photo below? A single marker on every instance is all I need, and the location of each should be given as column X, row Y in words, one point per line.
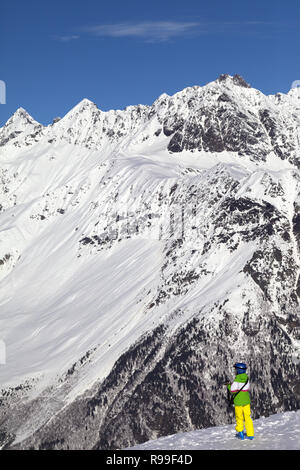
column 243, row 398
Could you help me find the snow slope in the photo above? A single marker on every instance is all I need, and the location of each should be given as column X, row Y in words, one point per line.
column 277, row 432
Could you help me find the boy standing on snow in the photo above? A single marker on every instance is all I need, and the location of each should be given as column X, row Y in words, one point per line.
column 241, row 399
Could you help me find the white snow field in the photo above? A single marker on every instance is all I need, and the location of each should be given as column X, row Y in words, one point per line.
column 277, row 432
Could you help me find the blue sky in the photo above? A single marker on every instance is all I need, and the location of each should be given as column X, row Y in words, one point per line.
column 117, row 53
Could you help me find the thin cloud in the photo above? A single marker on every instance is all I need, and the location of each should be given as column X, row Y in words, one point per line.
column 151, row 31
column 159, row 31
column 66, row 38
column 249, row 23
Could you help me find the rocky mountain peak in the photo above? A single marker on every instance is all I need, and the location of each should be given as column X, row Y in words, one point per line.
column 21, row 117
column 236, row 80
column 20, row 124
column 240, row 81
column 84, row 105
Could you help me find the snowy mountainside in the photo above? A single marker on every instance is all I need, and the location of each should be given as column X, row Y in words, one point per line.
column 276, row 432
column 142, row 252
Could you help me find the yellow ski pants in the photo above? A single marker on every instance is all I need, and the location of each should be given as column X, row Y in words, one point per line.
column 242, row 414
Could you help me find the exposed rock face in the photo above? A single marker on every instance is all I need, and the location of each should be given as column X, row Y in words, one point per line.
column 142, row 253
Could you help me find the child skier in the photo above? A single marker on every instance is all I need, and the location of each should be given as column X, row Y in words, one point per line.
column 241, row 399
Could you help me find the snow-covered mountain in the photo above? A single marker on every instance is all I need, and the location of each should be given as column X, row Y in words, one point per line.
column 142, row 252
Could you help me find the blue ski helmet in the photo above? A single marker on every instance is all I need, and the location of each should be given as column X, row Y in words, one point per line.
column 240, row 367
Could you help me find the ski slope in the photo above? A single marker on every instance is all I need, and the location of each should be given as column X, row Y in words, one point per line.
column 277, row 432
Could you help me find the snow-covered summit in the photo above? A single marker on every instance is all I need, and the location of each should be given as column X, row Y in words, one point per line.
column 83, row 106
column 19, row 126
column 21, row 117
